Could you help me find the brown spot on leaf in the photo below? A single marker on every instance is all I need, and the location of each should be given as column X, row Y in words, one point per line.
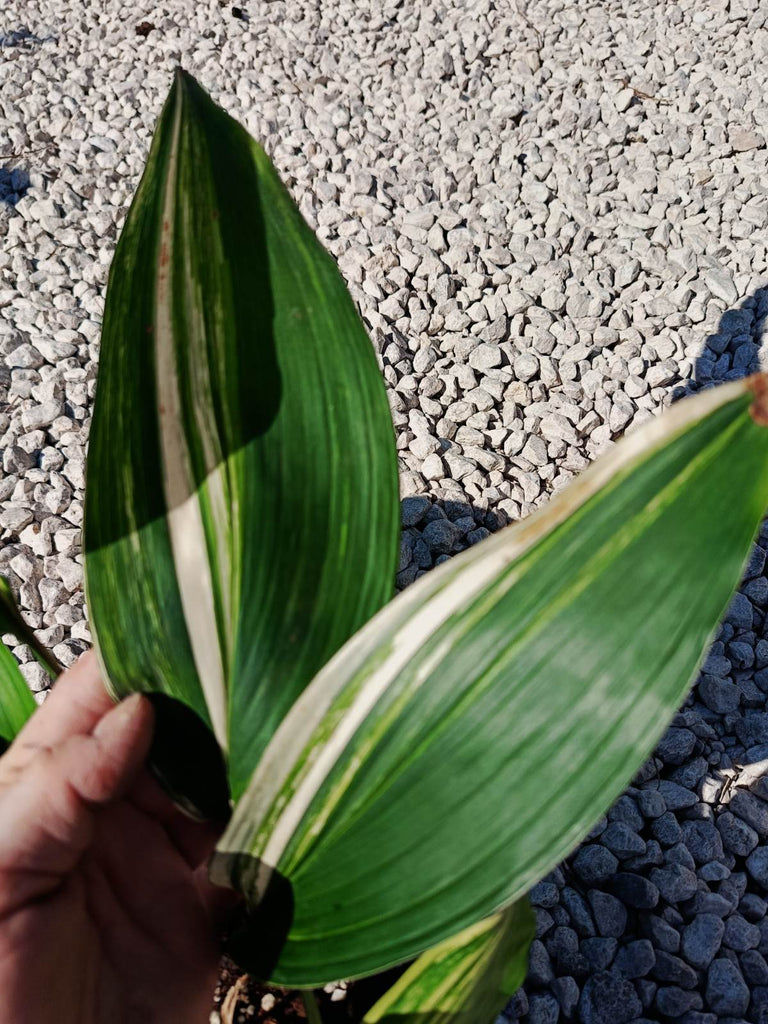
column 758, row 384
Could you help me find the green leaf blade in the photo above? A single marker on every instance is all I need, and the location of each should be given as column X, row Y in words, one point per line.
column 16, row 701
column 11, row 621
column 467, row 979
column 229, row 547
column 467, row 738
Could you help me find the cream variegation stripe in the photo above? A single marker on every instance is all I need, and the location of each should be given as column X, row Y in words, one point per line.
column 405, row 626
column 184, row 515
column 462, row 977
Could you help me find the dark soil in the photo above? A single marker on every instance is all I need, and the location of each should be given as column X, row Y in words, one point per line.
column 238, row 1000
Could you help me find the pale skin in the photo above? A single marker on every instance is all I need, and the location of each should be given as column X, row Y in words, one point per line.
column 105, row 913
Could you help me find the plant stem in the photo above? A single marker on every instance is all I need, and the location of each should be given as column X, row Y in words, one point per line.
column 313, row 1010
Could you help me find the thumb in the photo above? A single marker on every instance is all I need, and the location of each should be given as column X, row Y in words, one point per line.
column 104, row 764
column 47, row 809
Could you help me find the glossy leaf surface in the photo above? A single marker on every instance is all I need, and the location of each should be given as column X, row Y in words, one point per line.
column 11, row 621
column 241, row 514
column 16, row 700
column 467, row 979
column 467, row 738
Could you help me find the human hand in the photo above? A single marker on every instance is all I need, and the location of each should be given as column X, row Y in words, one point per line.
column 104, row 915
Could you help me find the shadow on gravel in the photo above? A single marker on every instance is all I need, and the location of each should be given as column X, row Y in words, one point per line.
column 733, row 350
column 734, row 677
column 14, row 182
column 459, row 526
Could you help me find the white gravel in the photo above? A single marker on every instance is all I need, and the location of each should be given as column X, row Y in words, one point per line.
column 553, row 220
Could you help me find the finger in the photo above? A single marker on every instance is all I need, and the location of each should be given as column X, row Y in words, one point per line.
column 117, row 748
column 77, row 702
column 194, row 840
column 46, row 816
column 220, row 902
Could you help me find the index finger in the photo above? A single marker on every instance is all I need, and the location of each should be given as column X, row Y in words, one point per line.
column 77, row 702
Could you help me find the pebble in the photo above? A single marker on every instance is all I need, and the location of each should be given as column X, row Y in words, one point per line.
column 539, row 965
column 701, row 939
column 651, row 803
column 740, row 935
column 726, row 992
column 634, row 890
column 703, row 841
column 544, row 894
column 720, row 284
column 672, row 1001
column 676, row 797
column 607, row 998
column 666, row 829
column 740, row 613
column 665, row 938
column 754, row 967
column 757, row 866
column 567, row 993
column 636, row 959
column 593, row 864
column 737, row 835
column 578, row 911
column 676, row 746
column 672, row 970
column 621, row 840
column 742, row 140
column 753, row 907
column 543, row 1008
column 719, row 695
column 751, row 810
column 43, row 415
column 599, row 952
column 609, row 913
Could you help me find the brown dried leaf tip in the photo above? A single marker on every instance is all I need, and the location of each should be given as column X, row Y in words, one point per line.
column 758, row 384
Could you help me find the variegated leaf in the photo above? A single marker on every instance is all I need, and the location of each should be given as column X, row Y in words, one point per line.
column 241, row 505
column 468, row 736
column 16, row 700
column 11, row 621
column 467, row 979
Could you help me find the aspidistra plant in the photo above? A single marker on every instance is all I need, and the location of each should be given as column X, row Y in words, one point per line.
column 399, row 772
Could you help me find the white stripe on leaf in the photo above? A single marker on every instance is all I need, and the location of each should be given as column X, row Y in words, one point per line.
column 279, row 795
column 184, row 515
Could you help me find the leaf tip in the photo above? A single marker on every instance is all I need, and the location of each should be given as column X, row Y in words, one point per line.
column 183, row 82
column 758, row 385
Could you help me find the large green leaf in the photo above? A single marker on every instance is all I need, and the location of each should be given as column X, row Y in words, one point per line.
column 16, row 700
column 468, row 737
column 11, row 621
column 241, row 512
column 467, row 979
